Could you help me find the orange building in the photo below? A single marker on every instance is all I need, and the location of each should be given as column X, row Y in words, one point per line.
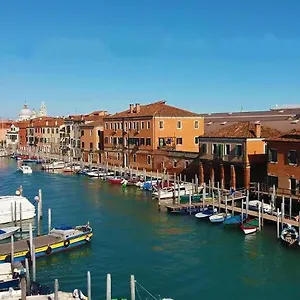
column 150, row 136
column 92, row 143
column 284, row 162
column 22, row 125
column 235, row 154
column 4, row 126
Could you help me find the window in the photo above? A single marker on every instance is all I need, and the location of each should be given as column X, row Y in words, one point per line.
column 214, row 149
column 118, row 126
column 111, row 139
column 111, row 125
column 186, row 164
column 82, row 132
column 91, row 132
column 52, row 130
column 272, row 155
column 149, row 159
column 106, row 125
column 115, row 126
column 238, row 150
column 142, row 141
column 148, row 125
column 91, row 145
column 179, row 125
column 134, row 158
column 174, row 163
column 179, row 141
column 203, row 149
column 99, row 132
column 292, row 157
column 196, row 140
column 133, row 125
column 129, row 125
column 161, row 124
column 148, row 141
column 82, row 145
column 142, row 125
column 227, row 149
column 196, row 124
column 118, row 156
column 48, row 130
column 121, row 126
column 125, row 126
column 56, row 130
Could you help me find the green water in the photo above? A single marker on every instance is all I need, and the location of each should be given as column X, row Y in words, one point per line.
column 174, row 256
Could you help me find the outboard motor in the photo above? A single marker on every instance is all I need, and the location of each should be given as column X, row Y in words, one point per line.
column 77, row 294
column 34, row 288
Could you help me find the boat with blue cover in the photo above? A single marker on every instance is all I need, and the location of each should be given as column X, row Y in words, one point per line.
column 186, row 210
column 10, row 276
column 59, row 239
column 235, row 220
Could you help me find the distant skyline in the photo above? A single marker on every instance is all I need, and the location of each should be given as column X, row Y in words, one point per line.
column 98, row 55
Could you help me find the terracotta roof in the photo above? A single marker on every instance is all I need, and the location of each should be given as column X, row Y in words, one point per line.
column 159, row 108
column 291, row 136
column 46, row 122
column 243, row 130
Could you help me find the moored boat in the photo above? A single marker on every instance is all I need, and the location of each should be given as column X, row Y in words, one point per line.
column 25, row 169
column 6, row 202
column 206, row 212
column 290, row 236
column 115, row 180
column 59, row 239
column 7, row 232
column 250, row 226
column 10, row 278
column 234, row 220
column 56, row 165
column 219, row 218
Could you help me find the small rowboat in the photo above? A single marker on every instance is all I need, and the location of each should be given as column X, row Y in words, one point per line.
column 207, row 212
column 115, row 180
column 235, row 220
column 289, row 235
column 219, row 218
column 7, row 232
column 251, row 226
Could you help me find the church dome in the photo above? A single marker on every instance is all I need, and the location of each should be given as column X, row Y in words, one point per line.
column 25, row 113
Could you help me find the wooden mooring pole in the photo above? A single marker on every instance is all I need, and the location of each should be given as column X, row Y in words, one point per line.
column 278, row 224
column 89, row 285
column 108, row 287
column 132, row 287
column 56, row 289
column 49, row 220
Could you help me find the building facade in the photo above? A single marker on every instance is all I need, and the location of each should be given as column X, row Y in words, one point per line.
column 145, row 136
column 92, row 142
column 12, row 138
column 235, row 155
column 284, row 163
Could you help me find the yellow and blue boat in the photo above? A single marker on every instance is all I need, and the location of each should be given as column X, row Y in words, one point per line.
column 59, row 239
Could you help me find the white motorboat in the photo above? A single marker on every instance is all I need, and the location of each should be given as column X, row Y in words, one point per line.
column 7, row 232
column 219, row 218
column 9, row 202
column 56, row 165
column 25, row 169
column 99, row 173
column 169, row 192
column 267, row 208
column 71, row 168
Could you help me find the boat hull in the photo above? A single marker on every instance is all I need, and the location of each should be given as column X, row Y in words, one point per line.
column 8, row 232
column 249, row 230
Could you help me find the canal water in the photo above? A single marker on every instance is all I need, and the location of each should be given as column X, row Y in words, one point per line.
column 172, row 256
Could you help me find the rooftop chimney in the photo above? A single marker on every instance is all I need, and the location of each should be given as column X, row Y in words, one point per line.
column 258, row 130
column 137, row 107
column 131, row 108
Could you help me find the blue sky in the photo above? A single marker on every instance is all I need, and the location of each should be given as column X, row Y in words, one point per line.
column 205, row 56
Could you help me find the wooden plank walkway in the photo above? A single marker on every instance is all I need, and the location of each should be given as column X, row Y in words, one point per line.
column 236, row 209
column 23, row 245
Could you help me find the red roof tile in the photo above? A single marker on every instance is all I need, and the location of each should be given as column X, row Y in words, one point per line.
column 159, row 108
column 291, row 136
column 243, row 130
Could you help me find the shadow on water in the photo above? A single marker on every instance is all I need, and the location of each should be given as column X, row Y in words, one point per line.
column 176, row 256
